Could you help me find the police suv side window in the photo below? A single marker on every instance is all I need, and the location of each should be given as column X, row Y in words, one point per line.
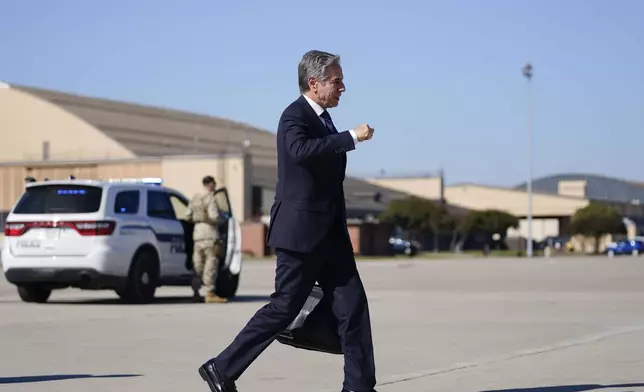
column 159, row 205
column 127, row 202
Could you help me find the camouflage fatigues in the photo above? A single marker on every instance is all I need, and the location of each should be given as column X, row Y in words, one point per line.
column 203, row 212
column 204, row 259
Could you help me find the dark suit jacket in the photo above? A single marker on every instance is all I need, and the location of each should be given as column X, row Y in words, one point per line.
column 311, row 164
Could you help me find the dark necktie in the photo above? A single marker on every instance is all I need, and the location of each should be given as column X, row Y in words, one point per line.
column 326, row 118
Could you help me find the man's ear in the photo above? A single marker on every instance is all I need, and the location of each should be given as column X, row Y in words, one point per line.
column 312, row 83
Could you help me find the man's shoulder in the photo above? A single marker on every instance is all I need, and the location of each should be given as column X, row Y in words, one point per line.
column 295, row 108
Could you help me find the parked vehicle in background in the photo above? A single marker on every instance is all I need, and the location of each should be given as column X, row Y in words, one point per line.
column 402, row 246
column 121, row 235
column 625, row 247
column 555, row 242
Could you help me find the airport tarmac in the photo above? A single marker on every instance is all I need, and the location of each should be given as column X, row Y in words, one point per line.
column 565, row 324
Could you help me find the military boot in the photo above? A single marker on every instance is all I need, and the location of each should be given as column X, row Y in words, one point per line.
column 214, row 298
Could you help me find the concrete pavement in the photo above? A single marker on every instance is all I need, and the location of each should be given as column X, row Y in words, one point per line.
column 541, row 325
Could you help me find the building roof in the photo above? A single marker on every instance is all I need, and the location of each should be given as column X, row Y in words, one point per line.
column 154, row 131
column 359, row 194
column 598, row 187
column 506, row 189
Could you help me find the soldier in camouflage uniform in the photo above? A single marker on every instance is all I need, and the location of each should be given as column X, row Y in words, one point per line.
column 204, row 213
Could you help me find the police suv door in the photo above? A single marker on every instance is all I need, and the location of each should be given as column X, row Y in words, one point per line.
column 180, row 204
column 230, row 233
column 168, row 231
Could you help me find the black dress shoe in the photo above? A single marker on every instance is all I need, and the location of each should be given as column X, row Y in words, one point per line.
column 346, row 390
column 209, row 373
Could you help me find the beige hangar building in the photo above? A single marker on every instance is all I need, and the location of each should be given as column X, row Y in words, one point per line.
column 50, row 134
column 554, row 199
column 54, row 135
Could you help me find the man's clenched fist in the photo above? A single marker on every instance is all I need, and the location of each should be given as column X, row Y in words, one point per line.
column 364, row 132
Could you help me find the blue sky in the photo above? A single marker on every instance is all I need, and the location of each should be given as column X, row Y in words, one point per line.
column 440, row 81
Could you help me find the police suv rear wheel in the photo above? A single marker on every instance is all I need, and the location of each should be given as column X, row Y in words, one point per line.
column 143, row 279
column 34, row 293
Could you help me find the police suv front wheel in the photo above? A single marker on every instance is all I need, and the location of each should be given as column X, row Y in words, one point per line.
column 142, row 280
column 227, row 285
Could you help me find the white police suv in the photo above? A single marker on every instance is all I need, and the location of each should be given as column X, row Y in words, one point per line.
column 123, row 235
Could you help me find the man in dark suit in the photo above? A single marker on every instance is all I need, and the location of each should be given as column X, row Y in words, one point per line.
column 308, row 230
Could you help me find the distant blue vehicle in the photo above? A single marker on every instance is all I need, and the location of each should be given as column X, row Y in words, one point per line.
column 625, row 247
column 399, row 245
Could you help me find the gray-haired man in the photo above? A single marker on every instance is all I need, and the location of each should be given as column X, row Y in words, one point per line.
column 308, row 229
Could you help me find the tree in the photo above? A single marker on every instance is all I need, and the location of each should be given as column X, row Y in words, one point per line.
column 486, row 223
column 596, row 220
column 419, row 216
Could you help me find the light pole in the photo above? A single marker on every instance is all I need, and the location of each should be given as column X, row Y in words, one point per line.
column 527, row 72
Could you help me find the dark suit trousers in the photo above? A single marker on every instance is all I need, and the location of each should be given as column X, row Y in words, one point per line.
column 333, row 266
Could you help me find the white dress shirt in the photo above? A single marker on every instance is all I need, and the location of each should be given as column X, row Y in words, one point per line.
column 319, row 110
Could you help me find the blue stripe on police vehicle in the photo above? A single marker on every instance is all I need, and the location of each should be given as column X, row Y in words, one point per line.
column 177, row 240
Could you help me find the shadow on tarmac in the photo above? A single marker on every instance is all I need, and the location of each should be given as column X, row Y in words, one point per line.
column 166, row 300
column 58, row 377
column 569, row 388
